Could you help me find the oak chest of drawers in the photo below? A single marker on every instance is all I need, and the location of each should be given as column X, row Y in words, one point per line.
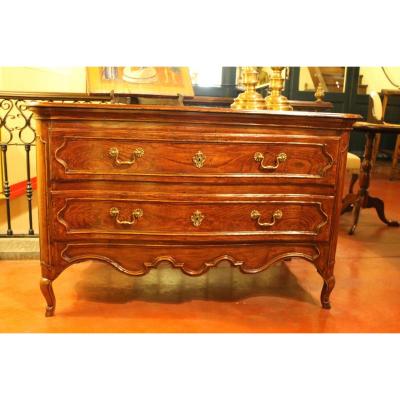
column 134, row 186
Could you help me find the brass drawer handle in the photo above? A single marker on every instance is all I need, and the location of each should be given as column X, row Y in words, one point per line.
column 137, row 153
column 278, row 214
column 280, row 158
column 199, row 159
column 197, row 218
column 136, row 214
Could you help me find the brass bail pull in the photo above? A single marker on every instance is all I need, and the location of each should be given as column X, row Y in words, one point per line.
column 136, row 214
column 113, row 152
column 280, row 158
column 277, row 215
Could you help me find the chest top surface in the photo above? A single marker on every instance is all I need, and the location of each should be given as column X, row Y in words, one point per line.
column 82, row 111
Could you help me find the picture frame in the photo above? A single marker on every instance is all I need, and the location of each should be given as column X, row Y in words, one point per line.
column 159, row 81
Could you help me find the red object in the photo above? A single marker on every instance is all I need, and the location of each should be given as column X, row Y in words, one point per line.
column 19, row 189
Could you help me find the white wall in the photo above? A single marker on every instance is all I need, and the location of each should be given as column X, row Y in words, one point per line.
column 42, row 79
column 376, row 79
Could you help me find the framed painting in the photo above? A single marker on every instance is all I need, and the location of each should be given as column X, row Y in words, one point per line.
column 161, row 81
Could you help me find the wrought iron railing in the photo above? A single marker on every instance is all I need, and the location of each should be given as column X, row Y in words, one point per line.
column 17, row 130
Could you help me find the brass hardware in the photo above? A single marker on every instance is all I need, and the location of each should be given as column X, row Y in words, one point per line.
column 250, row 99
column 319, row 93
column 278, row 214
column 198, row 159
column 280, row 158
column 276, row 101
column 197, row 218
column 136, row 214
column 114, row 152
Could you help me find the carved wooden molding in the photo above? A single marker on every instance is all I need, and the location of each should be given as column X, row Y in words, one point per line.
column 158, row 260
column 59, row 217
column 322, row 173
column 344, row 143
column 330, row 160
column 87, row 257
column 317, row 231
column 215, row 261
column 205, row 266
column 58, row 159
column 324, row 215
column 283, row 256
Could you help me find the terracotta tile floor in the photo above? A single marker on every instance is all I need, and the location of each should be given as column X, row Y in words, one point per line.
column 93, row 297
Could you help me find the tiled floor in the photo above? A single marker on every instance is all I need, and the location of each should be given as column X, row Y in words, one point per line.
column 93, row 297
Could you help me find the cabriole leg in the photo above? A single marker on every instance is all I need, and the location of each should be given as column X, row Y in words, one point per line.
column 48, row 293
column 325, row 269
column 327, row 288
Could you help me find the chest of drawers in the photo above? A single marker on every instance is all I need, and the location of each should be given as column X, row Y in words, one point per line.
column 135, row 186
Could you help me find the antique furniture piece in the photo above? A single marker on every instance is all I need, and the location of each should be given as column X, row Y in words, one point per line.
column 362, row 199
column 374, row 127
column 135, row 186
column 386, row 93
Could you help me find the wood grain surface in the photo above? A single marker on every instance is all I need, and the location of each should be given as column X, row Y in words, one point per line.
column 193, row 174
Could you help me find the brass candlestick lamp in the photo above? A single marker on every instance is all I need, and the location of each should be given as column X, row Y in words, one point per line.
column 319, row 93
column 249, row 99
column 276, row 101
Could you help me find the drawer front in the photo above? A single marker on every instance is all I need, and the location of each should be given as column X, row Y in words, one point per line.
column 260, row 219
column 124, row 159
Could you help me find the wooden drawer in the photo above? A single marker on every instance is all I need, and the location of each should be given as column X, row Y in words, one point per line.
column 125, row 159
column 239, row 218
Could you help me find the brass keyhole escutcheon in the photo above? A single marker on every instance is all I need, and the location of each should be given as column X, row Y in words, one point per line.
column 197, row 218
column 199, row 159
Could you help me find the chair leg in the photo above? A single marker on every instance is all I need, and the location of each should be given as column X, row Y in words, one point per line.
column 375, row 149
column 356, row 215
column 350, row 198
column 395, row 158
column 354, row 178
